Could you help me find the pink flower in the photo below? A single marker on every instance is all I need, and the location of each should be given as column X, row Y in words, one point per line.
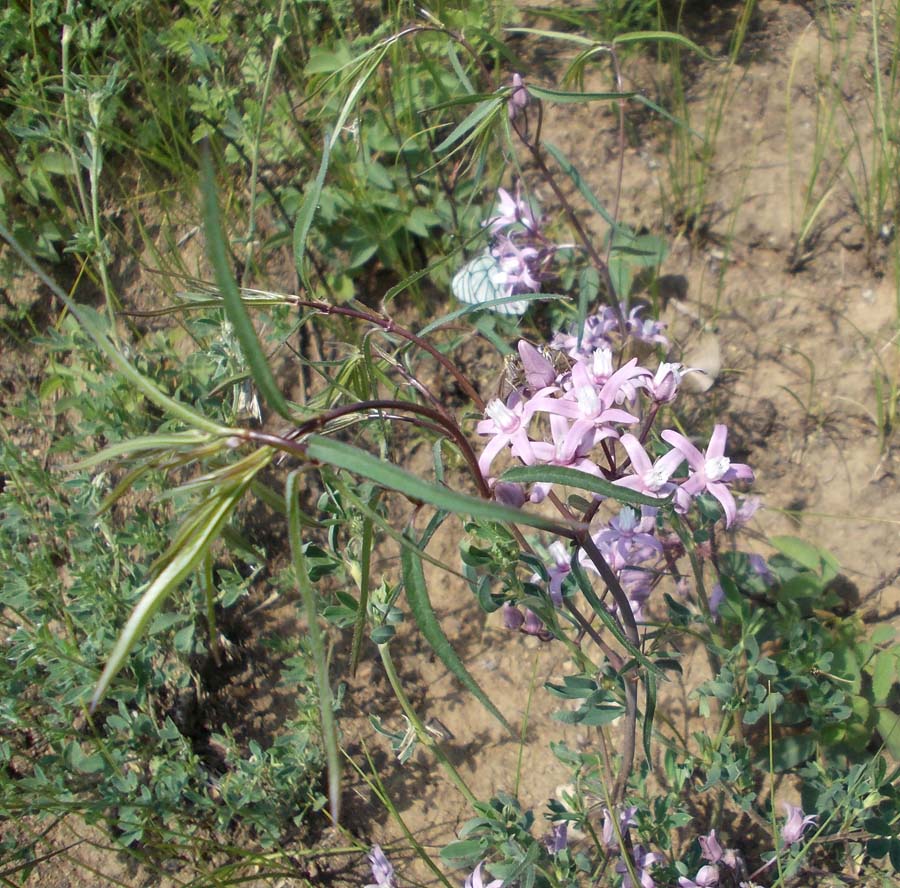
column 518, row 97
column 710, row 471
column 707, row 877
column 649, row 478
column 570, row 448
column 795, row 823
column 475, row 880
column 382, row 871
column 512, row 211
column 643, row 860
column 508, row 423
column 710, row 849
column 539, row 372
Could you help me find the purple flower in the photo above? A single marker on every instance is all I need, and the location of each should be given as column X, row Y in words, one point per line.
column 649, row 478
column 746, row 509
column 539, row 372
column 626, row 819
column 716, row 597
column 559, row 570
column 515, row 266
column 512, row 211
column 558, row 840
column 512, row 616
column 510, row 494
column 649, row 331
column 518, row 97
column 508, row 423
column 707, row 877
column 642, row 860
column 475, row 881
column 710, row 849
column 710, row 471
column 382, row 871
column 664, row 386
column 795, row 823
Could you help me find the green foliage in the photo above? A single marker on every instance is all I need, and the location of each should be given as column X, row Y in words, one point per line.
column 70, row 578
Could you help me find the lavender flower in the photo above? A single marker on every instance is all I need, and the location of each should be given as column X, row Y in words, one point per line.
column 517, row 266
column 710, row 849
column 710, row 471
column 626, row 819
column 558, row 840
column 707, row 877
column 512, row 211
column 475, row 880
column 649, row 478
column 795, row 823
column 518, row 97
column 642, row 860
column 382, row 870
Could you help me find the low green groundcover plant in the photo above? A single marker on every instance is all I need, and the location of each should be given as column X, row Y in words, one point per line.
column 636, row 552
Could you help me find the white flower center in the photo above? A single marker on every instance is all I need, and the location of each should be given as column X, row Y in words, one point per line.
column 627, row 520
column 503, row 417
column 717, row 467
column 601, row 364
column 655, row 478
column 588, row 402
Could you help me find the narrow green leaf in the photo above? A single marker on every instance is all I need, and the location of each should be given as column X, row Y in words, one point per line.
column 608, row 620
column 448, row 318
column 470, row 124
column 365, row 564
column 661, row 37
column 317, row 648
column 561, row 95
column 215, row 513
column 308, row 211
column 649, row 712
column 554, row 35
column 163, row 441
column 582, row 481
column 231, row 297
column 422, row 611
column 346, row 456
column 572, row 172
column 94, row 327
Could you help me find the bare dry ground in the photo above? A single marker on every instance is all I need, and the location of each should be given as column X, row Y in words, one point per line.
column 796, row 331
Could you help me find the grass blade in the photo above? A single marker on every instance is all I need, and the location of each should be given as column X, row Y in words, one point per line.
column 320, row 661
column 426, row 620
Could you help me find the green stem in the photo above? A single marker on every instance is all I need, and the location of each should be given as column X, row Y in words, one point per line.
column 421, row 733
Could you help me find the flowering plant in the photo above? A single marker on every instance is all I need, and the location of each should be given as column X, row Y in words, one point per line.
column 596, row 522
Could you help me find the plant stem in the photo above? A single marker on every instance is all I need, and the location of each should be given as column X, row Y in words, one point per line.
column 424, row 737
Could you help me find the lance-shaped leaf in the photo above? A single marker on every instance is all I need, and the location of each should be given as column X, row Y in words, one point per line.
column 231, row 297
column 208, row 519
column 581, row 480
column 427, row 621
column 611, row 623
column 346, row 456
column 317, row 648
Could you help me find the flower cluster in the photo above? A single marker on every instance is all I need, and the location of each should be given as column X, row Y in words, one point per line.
column 597, row 418
column 518, row 245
